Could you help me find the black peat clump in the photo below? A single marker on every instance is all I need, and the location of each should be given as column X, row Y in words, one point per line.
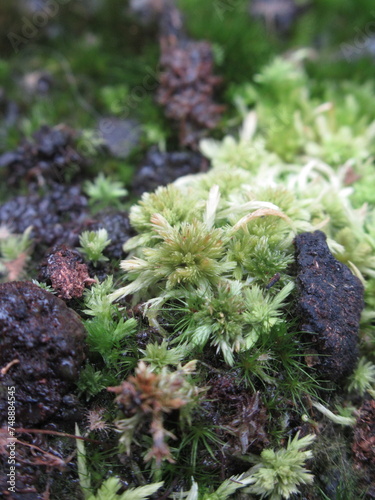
column 50, row 157
column 161, row 168
column 117, row 225
column 329, row 306
column 41, row 351
column 55, row 217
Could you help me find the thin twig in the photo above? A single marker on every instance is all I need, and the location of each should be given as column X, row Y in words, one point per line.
column 21, row 430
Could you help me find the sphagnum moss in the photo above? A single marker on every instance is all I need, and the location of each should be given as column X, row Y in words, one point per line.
column 212, row 261
column 309, row 149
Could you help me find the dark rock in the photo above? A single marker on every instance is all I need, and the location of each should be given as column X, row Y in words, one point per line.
column 160, row 169
column 329, row 306
column 47, row 339
column 65, row 269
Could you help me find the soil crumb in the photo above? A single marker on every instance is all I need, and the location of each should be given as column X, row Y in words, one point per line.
column 65, row 269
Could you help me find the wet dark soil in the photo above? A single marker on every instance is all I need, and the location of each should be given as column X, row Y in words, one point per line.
column 238, row 414
column 44, row 342
column 364, row 445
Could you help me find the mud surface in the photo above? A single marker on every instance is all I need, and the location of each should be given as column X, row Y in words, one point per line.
column 45, row 341
column 329, row 306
